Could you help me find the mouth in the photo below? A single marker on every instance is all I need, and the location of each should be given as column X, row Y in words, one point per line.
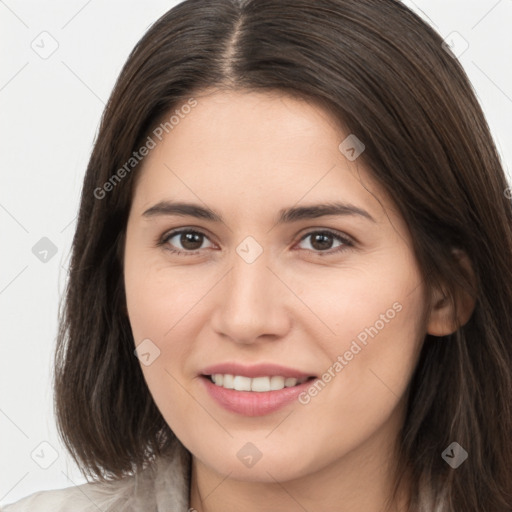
column 254, row 390
column 261, row 384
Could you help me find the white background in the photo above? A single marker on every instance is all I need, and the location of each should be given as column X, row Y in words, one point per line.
column 50, row 111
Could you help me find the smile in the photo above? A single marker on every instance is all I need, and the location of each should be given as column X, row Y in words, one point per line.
column 257, row 384
column 261, row 399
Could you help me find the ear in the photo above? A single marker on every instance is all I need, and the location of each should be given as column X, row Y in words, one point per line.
column 448, row 312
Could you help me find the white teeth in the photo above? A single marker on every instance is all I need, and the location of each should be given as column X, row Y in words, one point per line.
column 258, row 384
column 242, row 383
column 276, row 382
column 218, row 378
column 227, row 381
column 289, row 382
column 261, row 384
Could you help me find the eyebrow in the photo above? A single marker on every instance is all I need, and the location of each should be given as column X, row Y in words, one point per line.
column 286, row 215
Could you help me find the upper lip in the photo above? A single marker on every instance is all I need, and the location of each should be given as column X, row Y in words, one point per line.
column 256, row 370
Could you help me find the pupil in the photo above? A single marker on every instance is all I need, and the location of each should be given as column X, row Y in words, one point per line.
column 188, row 239
column 325, row 241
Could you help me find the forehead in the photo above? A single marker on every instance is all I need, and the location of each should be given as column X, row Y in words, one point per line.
column 250, row 150
column 259, row 123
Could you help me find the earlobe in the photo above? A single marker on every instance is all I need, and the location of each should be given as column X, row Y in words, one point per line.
column 450, row 312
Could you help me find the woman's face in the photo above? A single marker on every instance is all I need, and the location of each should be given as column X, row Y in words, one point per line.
column 253, row 272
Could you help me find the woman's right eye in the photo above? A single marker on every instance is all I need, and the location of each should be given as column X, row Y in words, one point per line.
column 190, row 241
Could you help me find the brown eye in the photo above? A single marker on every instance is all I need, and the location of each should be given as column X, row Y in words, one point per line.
column 184, row 241
column 191, row 241
column 323, row 241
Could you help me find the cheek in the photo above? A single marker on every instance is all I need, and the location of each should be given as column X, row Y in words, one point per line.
column 161, row 310
column 381, row 298
column 158, row 296
column 368, row 324
column 164, row 306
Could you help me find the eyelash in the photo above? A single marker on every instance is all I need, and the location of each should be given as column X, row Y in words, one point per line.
column 346, row 242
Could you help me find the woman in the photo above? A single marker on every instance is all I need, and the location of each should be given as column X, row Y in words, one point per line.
column 289, row 282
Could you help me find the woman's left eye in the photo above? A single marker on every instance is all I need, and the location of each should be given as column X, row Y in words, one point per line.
column 191, row 241
column 322, row 242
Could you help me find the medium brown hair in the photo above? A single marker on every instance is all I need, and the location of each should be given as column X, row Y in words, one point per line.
column 385, row 74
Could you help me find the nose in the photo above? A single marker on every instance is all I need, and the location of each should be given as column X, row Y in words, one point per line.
column 253, row 304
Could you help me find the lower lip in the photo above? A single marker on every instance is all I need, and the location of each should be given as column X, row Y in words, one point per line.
column 254, row 403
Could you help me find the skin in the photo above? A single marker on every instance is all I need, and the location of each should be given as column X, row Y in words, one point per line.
column 247, row 155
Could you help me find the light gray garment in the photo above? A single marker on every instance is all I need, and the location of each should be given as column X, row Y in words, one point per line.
column 162, row 487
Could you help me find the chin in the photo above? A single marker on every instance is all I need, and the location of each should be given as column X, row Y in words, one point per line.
column 267, row 464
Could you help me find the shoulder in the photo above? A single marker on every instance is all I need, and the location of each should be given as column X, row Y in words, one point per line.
column 92, row 496
column 164, row 485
